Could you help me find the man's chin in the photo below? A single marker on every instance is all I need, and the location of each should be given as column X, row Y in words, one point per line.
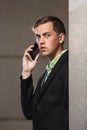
column 44, row 54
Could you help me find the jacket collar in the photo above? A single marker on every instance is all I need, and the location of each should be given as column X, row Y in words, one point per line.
column 39, row 93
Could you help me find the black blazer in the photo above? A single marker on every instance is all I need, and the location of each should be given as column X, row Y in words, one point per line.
column 48, row 107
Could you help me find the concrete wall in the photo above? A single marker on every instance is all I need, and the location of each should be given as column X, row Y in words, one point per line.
column 78, row 64
column 16, row 19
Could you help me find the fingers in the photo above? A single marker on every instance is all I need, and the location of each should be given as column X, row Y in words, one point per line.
column 26, row 53
column 29, row 48
column 28, row 56
column 37, row 56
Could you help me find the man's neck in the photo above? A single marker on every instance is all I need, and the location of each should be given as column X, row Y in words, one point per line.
column 51, row 57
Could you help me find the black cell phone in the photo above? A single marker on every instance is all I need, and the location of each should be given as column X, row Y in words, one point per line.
column 35, row 51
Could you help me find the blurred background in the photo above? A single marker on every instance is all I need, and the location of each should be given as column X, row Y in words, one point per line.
column 16, row 19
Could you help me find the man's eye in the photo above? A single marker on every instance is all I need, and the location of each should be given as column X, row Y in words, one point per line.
column 37, row 37
column 47, row 35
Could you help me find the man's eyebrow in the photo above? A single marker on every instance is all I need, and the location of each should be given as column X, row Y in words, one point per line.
column 38, row 35
column 46, row 33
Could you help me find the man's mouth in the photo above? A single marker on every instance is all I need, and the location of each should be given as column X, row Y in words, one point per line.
column 42, row 48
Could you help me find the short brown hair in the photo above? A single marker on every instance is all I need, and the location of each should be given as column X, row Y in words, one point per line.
column 58, row 25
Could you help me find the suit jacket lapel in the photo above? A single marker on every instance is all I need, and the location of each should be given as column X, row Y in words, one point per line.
column 39, row 92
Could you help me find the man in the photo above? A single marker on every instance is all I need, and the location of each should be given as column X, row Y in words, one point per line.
column 47, row 106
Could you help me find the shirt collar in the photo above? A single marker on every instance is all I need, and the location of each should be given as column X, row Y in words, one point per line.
column 52, row 63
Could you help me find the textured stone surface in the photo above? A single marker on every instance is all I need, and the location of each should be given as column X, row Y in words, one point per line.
column 78, row 64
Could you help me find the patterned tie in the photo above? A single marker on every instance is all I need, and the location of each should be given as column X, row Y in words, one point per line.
column 44, row 79
column 50, row 66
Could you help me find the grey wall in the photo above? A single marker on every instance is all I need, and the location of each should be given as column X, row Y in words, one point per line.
column 16, row 19
column 78, row 64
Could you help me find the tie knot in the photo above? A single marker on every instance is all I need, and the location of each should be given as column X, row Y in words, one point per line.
column 49, row 67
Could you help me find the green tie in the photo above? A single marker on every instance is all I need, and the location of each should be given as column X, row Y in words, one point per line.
column 50, row 66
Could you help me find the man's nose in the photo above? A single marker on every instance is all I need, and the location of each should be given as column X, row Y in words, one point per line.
column 41, row 40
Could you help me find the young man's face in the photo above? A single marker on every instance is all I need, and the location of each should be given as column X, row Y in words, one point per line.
column 48, row 40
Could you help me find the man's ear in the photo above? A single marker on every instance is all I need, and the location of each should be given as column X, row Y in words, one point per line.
column 61, row 38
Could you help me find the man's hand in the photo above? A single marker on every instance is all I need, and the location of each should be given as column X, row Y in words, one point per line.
column 28, row 64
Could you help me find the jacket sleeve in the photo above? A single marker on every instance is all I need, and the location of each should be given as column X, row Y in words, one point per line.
column 27, row 96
